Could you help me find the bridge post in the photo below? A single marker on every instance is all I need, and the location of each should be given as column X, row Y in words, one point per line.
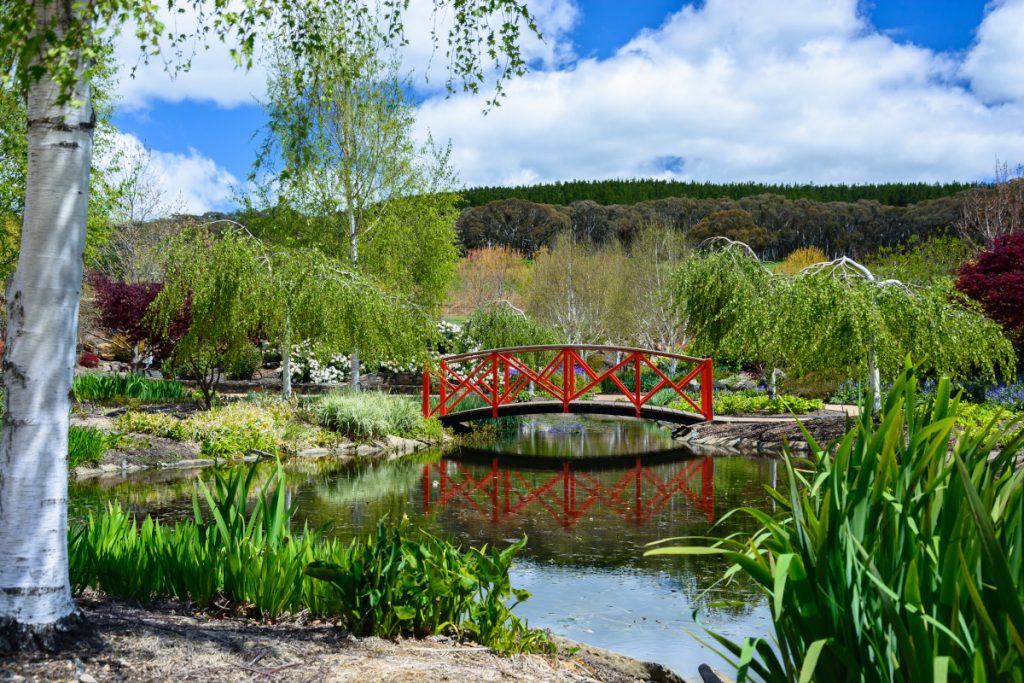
column 440, row 388
column 707, row 399
column 566, row 379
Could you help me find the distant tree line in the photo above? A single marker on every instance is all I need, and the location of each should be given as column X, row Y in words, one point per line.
column 634, row 191
column 774, row 225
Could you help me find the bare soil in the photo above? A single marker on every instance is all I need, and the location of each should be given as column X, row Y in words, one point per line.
column 169, row 642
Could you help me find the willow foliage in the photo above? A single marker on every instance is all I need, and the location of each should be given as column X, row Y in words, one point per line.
column 236, row 291
column 834, row 317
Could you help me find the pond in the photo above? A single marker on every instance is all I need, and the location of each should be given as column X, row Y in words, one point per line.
column 601, row 490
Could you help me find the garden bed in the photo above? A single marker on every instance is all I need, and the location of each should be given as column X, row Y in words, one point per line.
column 168, row 641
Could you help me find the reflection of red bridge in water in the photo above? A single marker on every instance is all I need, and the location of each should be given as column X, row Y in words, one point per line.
column 567, row 495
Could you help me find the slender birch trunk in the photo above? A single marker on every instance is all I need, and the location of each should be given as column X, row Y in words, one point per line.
column 353, row 254
column 286, row 360
column 39, row 360
column 874, row 379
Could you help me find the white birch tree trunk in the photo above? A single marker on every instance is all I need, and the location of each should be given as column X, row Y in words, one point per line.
column 39, row 360
column 286, row 360
column 353, row 254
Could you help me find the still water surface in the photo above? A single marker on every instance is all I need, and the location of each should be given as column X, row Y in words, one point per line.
column 603, row 490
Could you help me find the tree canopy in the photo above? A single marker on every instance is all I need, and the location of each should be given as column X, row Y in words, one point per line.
column 834, row 316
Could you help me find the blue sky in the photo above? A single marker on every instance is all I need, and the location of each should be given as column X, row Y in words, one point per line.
column 771, row 90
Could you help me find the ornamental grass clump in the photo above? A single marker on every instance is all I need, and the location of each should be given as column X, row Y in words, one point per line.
column 107, row 388
column 893, row 556
column 394, row 582
column 86, row 446
column 368, row 415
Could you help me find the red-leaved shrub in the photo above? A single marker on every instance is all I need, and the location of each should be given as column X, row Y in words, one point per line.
column 89, row 360
column 996, row 280
column 123, row 307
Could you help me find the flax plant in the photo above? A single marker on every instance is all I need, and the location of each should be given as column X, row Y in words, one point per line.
column 898, row 555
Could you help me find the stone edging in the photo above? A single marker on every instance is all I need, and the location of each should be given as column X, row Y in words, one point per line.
column 391, row 447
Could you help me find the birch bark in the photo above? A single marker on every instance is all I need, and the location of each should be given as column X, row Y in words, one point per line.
column 39, row 359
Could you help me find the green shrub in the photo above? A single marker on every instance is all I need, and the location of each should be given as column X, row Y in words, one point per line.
column 245, row 364
column 368, row 415
column 395, row 582
column 754, row 401
column 892, row 559
column 86, row 446
column 272, row 426
column 106, row 388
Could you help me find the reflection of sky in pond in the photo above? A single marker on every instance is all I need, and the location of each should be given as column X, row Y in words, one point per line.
column 587, row 525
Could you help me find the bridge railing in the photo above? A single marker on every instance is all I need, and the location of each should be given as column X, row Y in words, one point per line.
column 499, row 376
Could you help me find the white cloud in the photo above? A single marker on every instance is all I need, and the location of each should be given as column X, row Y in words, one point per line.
column 769, row 90
column 995, row 65
column 214, row 77
column 188, row 183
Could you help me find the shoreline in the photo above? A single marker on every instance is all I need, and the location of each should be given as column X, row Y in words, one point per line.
column 167, row 640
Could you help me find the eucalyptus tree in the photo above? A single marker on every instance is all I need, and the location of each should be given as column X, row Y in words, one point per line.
column 349, row 160
column 837, row 315
column 50, row 51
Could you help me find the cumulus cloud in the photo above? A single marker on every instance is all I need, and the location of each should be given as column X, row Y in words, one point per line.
column 731, row 90
column 213, row 76
column 178, row 183
column 995, row 64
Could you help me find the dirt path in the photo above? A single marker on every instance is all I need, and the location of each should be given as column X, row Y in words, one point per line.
column 166, row 642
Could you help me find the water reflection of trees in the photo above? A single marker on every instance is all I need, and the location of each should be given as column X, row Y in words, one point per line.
column 565, row 436
column 581, row 519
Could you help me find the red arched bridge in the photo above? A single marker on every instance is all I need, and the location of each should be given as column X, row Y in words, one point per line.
column 558, row 378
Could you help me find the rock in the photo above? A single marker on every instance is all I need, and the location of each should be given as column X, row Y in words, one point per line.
column 366, row 449
column 315, row 453
column 739, row 382
column 86, row 678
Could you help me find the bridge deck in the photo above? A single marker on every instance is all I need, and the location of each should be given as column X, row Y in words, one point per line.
column 622, row 408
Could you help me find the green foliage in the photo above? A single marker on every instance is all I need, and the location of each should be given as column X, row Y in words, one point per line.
column 753, row 401
column 245, row 364
column 500, row 326
column 86, row 446
column 107, row 388
column 891, row 559
column 737, row 309
column 921, row 261
column 236, row 290
column 635, row 190
column 369, row 415
column 390, row 585
column 393, row 583
column 234, row 429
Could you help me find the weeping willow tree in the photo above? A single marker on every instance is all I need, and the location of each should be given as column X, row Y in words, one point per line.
column 233, row 290
column 834, row 315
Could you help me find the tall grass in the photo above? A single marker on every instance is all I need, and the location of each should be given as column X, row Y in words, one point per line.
column 97, row 387
column 86, row 446
column 893, row 559
column 395, row 582
column 368, row 415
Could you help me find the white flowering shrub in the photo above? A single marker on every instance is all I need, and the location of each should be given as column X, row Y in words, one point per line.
column 307, row 368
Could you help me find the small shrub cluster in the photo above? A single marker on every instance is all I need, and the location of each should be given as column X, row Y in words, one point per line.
column 370, row 415
column 393, row 583
column 306, row 367
column 753, row 401
column 108, row 388
column 245, row 364
column 89, row 360
column 233, row 430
